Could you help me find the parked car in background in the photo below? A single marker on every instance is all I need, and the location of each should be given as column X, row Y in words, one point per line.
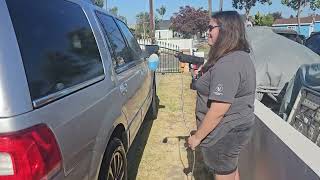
column 313, row 42
column 74, row 90
column 290, row 34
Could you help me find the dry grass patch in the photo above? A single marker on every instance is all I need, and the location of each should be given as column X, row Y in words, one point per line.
column 149, row 157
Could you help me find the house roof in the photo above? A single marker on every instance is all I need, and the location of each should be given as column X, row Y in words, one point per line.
column 303, row 20
column 164, row 25
column 285, row 31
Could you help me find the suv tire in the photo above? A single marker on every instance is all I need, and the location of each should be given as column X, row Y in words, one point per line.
column 114, row 164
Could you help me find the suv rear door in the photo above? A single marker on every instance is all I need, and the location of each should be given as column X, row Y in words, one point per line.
column 128, row 71
column 146, row 73
column 66, row 78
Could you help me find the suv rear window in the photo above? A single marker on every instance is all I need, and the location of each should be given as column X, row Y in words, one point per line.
column 57, row 45
column 133, row 44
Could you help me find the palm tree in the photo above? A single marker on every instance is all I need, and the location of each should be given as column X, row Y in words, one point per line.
column 99, row 3
column 162, row 11
column 114, row 11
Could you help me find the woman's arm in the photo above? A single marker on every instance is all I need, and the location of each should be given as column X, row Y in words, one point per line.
column 213, row 117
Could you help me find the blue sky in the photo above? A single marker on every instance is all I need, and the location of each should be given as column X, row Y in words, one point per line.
column 129, row 8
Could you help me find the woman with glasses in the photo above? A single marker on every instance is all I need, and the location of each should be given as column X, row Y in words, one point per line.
column 225, row 97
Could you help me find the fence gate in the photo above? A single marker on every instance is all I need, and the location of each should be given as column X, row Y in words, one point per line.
column 168, row 62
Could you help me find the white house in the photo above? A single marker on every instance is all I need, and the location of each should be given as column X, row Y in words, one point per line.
column 308, row 25
column 163, row 31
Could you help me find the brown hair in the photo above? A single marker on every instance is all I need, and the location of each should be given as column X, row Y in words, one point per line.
column 232, row 37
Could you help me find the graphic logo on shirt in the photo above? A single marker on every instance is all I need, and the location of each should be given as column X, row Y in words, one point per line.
column 219, row 90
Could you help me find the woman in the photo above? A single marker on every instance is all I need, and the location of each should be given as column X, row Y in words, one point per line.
column 225, row 97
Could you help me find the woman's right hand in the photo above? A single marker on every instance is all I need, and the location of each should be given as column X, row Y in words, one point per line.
column 193, row 142
column 178, row 54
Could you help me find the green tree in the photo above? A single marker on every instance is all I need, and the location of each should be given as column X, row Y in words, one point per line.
column 143, row 25
column 99, row 2
column 258, row 19
column 277, row 15
column 299, row 5
column 162, row 11
column 133, row 31
column 124, row 19
column 248, row 4
column 314, row 5
column 114, row 11
column 267, row 20
column 263, row 20
column 190, row 21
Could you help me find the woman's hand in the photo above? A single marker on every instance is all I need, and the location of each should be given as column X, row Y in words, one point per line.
column 193, row 142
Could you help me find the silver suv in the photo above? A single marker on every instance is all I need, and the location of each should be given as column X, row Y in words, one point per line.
column 74, row 90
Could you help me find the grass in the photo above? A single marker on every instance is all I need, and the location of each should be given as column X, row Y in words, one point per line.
column 151, row 158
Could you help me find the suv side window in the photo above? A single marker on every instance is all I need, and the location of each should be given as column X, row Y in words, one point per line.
column 136, row 50
column 121, row 52
column 57, row 45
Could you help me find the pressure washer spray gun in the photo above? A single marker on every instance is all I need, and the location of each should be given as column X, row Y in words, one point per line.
column 189, row 59
column 194, row 64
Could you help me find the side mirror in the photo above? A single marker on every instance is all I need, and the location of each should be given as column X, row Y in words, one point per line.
column 153, row 62
column 152, row 49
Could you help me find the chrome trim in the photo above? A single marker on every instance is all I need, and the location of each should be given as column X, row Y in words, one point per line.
column 128, row 66
column 52, row 97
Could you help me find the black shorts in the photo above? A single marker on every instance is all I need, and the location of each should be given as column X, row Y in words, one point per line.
column 222, row 157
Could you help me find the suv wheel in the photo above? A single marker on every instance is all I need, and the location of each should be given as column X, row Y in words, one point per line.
column 114, row 164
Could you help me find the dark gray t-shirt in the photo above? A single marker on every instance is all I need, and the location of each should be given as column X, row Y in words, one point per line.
column 232, row 79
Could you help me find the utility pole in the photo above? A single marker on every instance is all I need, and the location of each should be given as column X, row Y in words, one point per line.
column 221, row 5
column 210, row 8
column 152, row 26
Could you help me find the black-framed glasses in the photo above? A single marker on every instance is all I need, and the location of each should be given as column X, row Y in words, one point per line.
column 210, row 27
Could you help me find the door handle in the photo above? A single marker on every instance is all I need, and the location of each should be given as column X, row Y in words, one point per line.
column 124, row 88
column 142, row 72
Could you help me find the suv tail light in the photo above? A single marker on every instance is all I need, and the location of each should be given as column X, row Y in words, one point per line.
column 30, row 154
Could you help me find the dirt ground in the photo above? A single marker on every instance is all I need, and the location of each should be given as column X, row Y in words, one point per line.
column 158, row 151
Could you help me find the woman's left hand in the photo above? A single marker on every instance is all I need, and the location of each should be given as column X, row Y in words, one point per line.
column 193, row 142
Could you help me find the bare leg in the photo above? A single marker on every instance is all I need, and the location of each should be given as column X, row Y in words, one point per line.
column 226, row 177
column 237, row 175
